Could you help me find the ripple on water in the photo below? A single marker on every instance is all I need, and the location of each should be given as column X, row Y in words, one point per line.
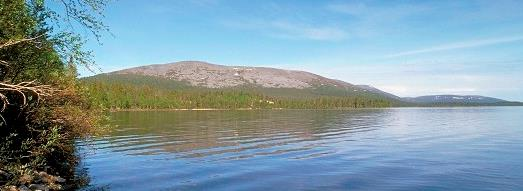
column 368, row 149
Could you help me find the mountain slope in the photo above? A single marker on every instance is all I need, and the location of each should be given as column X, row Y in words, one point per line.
column 217, row 76
column 378, row 91
column 263, row 80
column 194, row 84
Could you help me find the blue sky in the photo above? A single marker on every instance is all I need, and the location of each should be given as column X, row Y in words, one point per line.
column 408, row 48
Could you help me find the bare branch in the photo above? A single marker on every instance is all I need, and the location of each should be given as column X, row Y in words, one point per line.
column 5, row 102
column 13, row 42
column 4, row 63
column 24, row 89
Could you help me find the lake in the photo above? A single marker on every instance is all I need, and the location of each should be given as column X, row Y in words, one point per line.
column 365, row 149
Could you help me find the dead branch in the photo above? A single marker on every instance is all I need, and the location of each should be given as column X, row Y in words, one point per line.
column 24, row 89
column 4, row 63
column 13, row 42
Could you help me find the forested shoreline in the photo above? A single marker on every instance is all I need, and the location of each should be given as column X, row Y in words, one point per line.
column 133, row 92
column 118, row 92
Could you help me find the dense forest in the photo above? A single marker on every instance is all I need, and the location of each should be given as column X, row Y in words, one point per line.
column 146, row 92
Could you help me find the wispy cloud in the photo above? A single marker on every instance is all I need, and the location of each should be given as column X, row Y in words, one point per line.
column 458, row 45
column 292, row 30
column 368, row 11
column 366, row 19
column 329, row 22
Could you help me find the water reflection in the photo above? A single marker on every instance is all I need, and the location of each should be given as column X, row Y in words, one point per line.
column 234, row 134
column 368, row 149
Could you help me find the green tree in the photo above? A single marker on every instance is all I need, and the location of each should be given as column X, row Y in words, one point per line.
column 42, row 107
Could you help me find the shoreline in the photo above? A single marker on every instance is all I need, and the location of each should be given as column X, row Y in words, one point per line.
column 280, row 109
column 236, row 109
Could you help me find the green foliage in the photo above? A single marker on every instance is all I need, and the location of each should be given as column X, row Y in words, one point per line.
column 38, row 45
column 144, row 92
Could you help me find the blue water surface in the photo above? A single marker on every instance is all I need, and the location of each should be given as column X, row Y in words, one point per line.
column 478, row 148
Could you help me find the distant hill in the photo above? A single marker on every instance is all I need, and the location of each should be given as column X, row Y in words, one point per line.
column 195, row 84
column 208, row 75
column 269, row 81
column 459, row 100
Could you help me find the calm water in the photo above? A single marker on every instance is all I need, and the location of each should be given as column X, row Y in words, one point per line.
column 374, row 149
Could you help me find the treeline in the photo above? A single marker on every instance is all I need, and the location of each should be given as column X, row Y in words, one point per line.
column 118, row 94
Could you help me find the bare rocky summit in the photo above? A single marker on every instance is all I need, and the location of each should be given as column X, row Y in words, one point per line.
column 203, row 74
column 218, row 76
